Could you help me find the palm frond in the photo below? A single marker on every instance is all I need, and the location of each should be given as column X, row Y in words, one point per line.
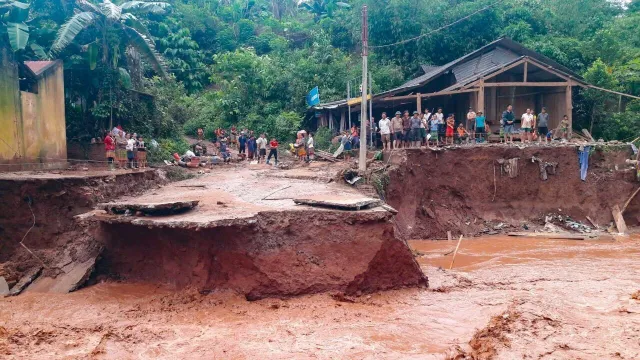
column 111, row 10
column 69, row 30
column 85, row 5
column 18, row 35
column 39, row 51
column 156, row 7
column 133, row 22
column 147, row 49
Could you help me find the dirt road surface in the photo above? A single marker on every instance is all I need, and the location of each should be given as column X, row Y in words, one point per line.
column 507, row 298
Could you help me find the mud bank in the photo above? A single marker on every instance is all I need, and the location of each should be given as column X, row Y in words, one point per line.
column 270, row 254
column 456, row 189
column 49, row 202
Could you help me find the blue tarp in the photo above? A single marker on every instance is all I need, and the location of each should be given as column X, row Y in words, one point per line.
column 583, row 156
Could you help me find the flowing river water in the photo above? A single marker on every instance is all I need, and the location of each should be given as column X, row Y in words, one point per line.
column 506, row 298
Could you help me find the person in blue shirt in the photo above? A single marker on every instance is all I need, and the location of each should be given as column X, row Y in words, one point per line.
column 480, row 126
column 242, row 142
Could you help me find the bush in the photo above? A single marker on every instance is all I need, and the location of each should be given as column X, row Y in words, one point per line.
column 322, row 138
column 165, row 149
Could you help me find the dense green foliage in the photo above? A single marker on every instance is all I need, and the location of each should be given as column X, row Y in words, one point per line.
column 251, row 62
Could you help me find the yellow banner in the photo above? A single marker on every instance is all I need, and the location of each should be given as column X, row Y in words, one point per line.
column 358, row 100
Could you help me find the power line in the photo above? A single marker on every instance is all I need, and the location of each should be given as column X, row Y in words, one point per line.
column 436, row 30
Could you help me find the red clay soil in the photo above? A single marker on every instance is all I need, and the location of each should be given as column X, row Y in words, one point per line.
column 454, row 190
column 55, row 199
column 271, row 254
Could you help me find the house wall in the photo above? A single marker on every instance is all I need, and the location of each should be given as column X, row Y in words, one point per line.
column 553, row 98
column 10, row 132
column 43, row 119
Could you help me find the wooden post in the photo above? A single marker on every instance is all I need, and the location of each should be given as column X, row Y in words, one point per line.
column 569, row 105
column 330, row 120
column 343, row 117
column 419, row 102
column 480, row 105
column 526, row 71
column 494, row 103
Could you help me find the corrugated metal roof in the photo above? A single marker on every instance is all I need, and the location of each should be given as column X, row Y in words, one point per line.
column 39, row 67
column 472, row 66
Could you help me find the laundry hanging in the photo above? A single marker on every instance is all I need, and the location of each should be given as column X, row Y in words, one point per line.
column 583, row 156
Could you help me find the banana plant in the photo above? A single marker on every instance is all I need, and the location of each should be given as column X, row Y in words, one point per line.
column 13, row 15
column 108, row 17
column 322, row 8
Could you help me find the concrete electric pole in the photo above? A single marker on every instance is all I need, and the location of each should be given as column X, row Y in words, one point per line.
column 362, row 162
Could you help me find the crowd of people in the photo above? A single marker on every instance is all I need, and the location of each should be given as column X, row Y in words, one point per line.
column 426, row 129
column 124, row 150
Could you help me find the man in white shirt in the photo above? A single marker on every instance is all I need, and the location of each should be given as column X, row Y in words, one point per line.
column 527, row 126
column 471, row 123
column 385, row 131
column 261, row 143
column 425, row 126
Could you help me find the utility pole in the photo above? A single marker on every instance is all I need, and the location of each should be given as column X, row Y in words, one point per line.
column 362, row 163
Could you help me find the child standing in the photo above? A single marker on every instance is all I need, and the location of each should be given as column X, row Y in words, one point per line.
column 273, row 151
column 131, row 143
column 110, row 149
column 142, row 153
column 449, row 132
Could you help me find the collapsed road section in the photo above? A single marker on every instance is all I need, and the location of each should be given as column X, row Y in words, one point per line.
column 238, row 239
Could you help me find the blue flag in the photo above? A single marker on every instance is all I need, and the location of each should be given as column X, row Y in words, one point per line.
column 313, row 98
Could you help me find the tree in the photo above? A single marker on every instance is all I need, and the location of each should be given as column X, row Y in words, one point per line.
column 323, row 8
column 13, row 15
column 108, row 17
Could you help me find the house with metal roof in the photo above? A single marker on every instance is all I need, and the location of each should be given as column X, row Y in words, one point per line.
column 32, row 114
column 489, row 79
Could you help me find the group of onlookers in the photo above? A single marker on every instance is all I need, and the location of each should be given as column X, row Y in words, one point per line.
column 422, row 129
column 124, row 150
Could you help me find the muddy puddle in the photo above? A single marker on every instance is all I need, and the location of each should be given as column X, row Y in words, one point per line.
column 556, row 299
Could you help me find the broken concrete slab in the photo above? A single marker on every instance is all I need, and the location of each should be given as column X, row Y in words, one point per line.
column 389, row 209
column 74, row 276
column 158, row 208
column 333, row 202
column 25, row 281
column 4, row 287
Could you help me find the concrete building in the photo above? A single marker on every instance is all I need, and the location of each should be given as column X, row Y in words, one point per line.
column 32, row 114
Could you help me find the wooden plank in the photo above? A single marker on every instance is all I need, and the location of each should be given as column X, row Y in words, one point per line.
column 526, row 70
column 440, row 93
column 549, row 235
column 588, row 135
column 549, row 68
column 613, row 92
column 619, row 220
column 480, row 103
column 505, row 69
column 419, row 103
column 531, row 84
column 626, row 204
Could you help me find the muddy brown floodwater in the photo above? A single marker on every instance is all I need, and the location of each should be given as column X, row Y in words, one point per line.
column 506, row 298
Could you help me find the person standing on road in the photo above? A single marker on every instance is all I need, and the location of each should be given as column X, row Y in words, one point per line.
column 385, row 131
column 251, row 147
column 311, row 155
column 110, row 150
column 508, row 120
column 396, row 127
column 242, row 142
column 424, row 125
column 543, row 125
column 262, row 147
column 273, row 151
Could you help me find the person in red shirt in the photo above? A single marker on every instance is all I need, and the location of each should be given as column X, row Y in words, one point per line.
column 110, row 149
column 273, row 146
